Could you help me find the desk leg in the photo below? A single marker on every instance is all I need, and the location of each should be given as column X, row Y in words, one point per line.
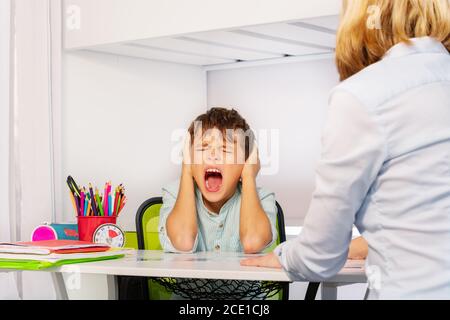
column 113, row 287
column 87, row 286
column 60, row 286
column 329, row 291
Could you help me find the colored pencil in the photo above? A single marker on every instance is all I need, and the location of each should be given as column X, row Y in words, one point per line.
column 99, row 203
column 116, row 200
column 72, row 198
column 73, row 186
column 105, row 200
column 122, row 205
column 89, row 202
column 89, row 205
column 77, row 203
column 110, row 203
column 82, row 197
column 82, row 202
column 85, row 206
column 91, row 192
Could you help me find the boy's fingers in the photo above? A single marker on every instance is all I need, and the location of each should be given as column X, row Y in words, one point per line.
column 253, row 157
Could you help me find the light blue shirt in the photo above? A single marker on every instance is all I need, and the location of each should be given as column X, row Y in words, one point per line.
column 216, row 232
column 385, row 166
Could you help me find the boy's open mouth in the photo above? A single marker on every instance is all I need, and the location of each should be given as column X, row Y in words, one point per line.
column 213, row 179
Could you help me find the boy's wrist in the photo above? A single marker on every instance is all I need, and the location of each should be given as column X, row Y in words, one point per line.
column 186, row 170
column 248, row 177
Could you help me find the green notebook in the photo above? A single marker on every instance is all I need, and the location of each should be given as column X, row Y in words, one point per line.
column 33, row 262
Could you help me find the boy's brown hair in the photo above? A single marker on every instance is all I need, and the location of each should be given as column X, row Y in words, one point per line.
column 224, row 119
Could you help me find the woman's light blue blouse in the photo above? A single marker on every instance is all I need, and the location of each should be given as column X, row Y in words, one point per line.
column 385, row 166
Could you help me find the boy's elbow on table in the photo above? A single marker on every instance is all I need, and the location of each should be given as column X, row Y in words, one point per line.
column 254, row 244
column 183, row 243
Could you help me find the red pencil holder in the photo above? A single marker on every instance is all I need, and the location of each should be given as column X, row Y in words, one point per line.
column 88, row 224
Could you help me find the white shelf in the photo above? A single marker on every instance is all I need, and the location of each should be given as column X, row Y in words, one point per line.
column 214, row 50
column 202, row 32
column 294, row 33
column 269, row 42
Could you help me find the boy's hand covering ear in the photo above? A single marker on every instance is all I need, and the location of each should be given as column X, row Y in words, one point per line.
column 187, row 156
column 252, row 165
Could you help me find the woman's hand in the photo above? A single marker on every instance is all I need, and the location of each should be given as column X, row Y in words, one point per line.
column 358, row 249
column 268, row 261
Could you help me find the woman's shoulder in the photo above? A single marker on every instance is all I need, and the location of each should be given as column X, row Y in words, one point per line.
column 380, row 82
column 368, row 85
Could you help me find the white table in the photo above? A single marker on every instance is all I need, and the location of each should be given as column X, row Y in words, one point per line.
column 204, row 265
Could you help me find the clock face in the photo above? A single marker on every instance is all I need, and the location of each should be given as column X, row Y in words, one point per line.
column 110, row 234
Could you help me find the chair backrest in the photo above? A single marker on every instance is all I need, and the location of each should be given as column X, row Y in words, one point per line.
column 147, row 220
column 280, row 223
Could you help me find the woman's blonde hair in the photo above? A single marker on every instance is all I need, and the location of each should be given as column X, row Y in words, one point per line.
column 369, row 28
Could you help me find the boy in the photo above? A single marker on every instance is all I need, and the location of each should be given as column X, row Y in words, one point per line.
column 216, row 206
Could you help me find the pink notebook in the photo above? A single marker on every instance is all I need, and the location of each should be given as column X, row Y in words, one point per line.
column 52, row 246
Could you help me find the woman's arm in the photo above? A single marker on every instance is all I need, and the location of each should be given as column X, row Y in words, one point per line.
column 353, row 152
column 254, row 227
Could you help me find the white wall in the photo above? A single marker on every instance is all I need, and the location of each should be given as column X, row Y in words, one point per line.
column 291, row 98
column 32, row 114
column 4, row 118
column 118, row 115
column 7, row 281
column 32, row 177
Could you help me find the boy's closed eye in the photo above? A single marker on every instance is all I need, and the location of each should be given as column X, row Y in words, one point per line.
column 203, row 147
column 225, row 149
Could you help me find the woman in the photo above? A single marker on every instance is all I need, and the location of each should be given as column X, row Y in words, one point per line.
column 385, row 164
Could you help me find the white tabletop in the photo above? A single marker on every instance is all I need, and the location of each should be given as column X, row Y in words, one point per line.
column 206, row 265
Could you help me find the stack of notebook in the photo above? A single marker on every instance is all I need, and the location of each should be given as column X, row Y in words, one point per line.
column 38, row 255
